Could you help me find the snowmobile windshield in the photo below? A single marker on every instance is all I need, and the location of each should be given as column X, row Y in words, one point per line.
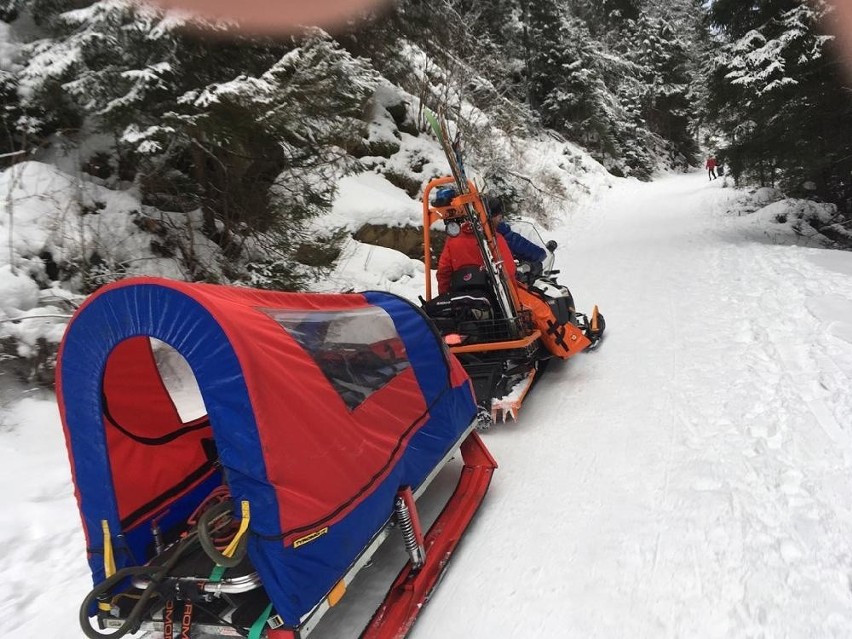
column 528, row 231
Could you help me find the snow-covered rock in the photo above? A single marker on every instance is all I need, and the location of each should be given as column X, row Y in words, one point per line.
column 18, row 292
column 767, row 195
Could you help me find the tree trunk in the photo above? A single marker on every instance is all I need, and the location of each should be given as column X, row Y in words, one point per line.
column 199, row 169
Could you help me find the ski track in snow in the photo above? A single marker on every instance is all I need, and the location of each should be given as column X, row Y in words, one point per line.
column 690, row 478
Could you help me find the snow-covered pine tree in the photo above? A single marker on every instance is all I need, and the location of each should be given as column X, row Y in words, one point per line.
column 604, row 17
column 666, row 104
column 566, row 84
column 782, row 98
column 229, row 125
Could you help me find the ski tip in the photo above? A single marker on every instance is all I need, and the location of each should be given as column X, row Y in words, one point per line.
column 432, row 119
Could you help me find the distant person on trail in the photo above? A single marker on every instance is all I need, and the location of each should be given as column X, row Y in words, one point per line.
column 711, row 168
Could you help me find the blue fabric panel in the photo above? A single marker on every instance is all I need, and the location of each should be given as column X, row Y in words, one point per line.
column 447, row 420
column 175, row 318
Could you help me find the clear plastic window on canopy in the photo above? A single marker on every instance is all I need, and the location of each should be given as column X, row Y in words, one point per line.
column 358, row 350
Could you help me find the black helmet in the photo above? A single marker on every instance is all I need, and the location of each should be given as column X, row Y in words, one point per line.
column 494, row 205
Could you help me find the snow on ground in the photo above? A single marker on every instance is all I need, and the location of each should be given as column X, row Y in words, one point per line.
column 690, row 478
column 43, row 548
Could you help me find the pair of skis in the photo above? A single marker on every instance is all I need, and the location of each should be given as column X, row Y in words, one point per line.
column 487, row 241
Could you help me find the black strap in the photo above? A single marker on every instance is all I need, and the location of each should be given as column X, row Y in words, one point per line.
column 154, row 441
column 558, row 331
column 186, row 621
column 169, row 619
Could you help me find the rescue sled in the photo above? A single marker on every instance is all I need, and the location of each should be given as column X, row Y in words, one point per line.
column 327, row 416
column 531, row 320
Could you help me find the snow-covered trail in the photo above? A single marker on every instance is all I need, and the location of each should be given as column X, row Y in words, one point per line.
column 691, row 478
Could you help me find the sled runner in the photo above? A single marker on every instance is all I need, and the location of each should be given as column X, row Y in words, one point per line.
column 327, row 416
column 530, row 321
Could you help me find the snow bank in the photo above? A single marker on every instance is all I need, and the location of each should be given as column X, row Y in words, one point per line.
column 368, row 198
column 364, row 267
column 48, row 210
column 61, row 234
column 17, row 292
column 767, row 195
column 790, row 221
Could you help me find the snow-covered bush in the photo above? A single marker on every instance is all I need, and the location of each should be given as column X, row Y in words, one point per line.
column 790, row 220
column 779, row 92
column 29, row 332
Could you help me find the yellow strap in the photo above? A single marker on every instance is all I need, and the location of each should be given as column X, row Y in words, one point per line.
column 244, row 524
column 109, row 559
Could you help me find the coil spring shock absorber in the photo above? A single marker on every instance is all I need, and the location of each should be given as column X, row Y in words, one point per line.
column 409, row 524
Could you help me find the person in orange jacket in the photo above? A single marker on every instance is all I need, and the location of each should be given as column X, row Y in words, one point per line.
column 711, row 165
column 463, row 250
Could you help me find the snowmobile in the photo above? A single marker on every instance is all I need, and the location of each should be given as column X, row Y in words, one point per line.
column 327, row 417
column 504, row 331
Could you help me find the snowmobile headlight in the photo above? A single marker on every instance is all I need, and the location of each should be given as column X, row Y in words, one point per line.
column 453, row 228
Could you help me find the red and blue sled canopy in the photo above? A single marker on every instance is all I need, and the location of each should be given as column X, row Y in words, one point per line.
column 319, row 408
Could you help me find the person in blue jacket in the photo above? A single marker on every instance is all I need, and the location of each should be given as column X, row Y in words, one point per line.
column 522, row 249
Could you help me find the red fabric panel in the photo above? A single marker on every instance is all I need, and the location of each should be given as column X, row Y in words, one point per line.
column 359, row 455
column 306, row 429
column 344, row 448
column 136, row 396
column 138, row 403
